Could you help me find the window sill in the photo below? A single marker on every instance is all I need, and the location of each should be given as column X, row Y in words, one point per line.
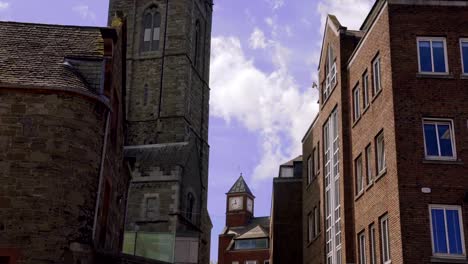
column 381, row 174
column 376, row 95
column 442, row 161
column 314, row 239
column 365, row 109
column 356, row 121
column 464, row 76
column 359, row 195
column 448, row 260
column 369, row 185
column 429, row 75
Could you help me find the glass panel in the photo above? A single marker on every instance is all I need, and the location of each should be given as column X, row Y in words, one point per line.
column 430, row 136
column 465, row 56
column 454, row 233
column 129, row 243
column 377, row 75
column 147, row 34
column 155, row 246
column 445, row 140
column 438, row 231
column 425, row 56
column 439, row 56
column 156, row 33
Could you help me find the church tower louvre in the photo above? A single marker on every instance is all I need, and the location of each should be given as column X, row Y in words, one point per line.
column 167, row 104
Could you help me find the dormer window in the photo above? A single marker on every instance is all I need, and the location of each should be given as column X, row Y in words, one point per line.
column 151, row 29
column 330, row 71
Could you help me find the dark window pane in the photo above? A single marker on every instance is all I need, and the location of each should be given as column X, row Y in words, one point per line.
column 431, row 140
column 439, row 56
column 454, row 234
column 465, row 56
column 4, row 260
column 438, row 231
column 425, row 56
column 445, row 139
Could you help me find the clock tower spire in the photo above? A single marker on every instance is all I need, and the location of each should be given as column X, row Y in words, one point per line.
column 240, row 204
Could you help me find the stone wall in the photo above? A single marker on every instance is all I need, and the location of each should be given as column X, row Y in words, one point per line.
column 49, row 172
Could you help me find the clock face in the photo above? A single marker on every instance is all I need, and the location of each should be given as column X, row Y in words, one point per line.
column 235, row 203
column 249, row 205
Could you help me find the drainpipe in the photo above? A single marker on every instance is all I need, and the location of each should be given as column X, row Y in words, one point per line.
column 101, row 172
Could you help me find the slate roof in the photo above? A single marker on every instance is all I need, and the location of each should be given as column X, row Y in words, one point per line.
column 240, row 187
column 258, row 227
column 50, row 56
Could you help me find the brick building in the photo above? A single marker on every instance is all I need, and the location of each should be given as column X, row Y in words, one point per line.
column 168, row 60
column 286, row 214
column 385, row 157
column 245, row 239
column 62, row 177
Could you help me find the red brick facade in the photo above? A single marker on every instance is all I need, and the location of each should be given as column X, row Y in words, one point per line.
column 410, row 183
column 242, row 226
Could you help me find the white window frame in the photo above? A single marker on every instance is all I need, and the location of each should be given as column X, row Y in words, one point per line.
column 369, row 176
column 377, row 74
column 452, row 134
column 460, row 219
column 330, row 81
column 235, row 262
column 356, row 103
column 385, row 250
column 309, row 170
column 362, row 247
column 372, row 248
column 315, row 160
column 310, row 227
column 463, row 40
column 365, row 88
column 250, row 262
column 380, row 155
column 430, row 39
column 359, row 177
column 316, row 222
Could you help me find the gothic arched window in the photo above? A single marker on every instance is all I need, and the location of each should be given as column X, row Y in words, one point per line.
column 190, row 205
column 151, row 29
column 197, row 42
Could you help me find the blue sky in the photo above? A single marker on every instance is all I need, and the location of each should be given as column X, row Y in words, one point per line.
column 264, row 61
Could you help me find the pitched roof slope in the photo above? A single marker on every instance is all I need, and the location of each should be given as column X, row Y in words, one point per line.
column 240, row 187
column 33, row 55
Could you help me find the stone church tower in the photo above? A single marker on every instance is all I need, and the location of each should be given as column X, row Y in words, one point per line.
column 167, row 128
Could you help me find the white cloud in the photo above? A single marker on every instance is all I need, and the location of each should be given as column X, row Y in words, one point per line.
column 350, row 13
column 4, row 5
column 275, row 4
column 85, row 12
column 257, row 39
column 268, row 103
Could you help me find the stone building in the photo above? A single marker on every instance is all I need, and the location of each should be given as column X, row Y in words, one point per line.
column 386, row 155
column 286, row 214
column 245, row 239
column 167, row 128
column 62, row 180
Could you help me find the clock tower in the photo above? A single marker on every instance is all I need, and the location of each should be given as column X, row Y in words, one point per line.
column 239, row 204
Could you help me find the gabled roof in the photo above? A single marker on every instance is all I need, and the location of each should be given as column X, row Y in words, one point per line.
column 240, row 187
column 51, row 56
column 333, row 23
column 256, row 232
